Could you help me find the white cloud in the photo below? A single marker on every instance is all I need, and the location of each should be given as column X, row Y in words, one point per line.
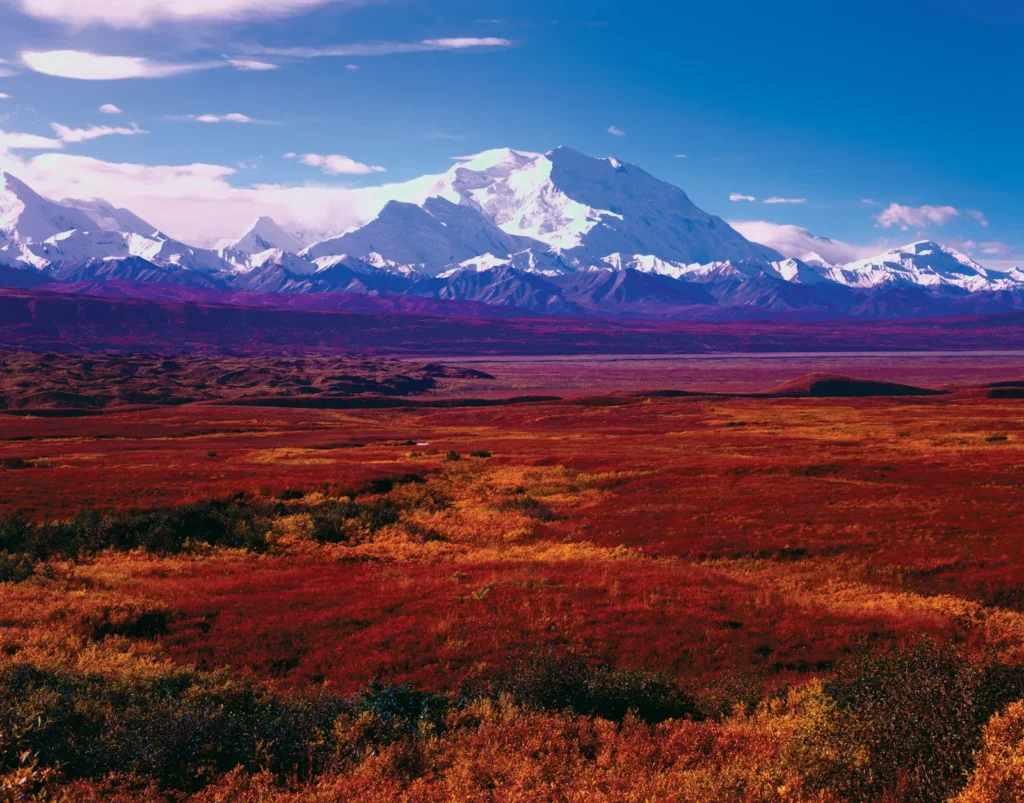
column 4, row 96
column 385, row 48
column 145, row 13
column 681, row 156
column 110, row 108
column 907, row 216
column 65, row 134
column 615, row 131
column 251, row 65
column 336, row 164
column 198, row 203
column 352, row 67
column 96, row 67
column 869, row 201
column 234, row 117
column 738, row 196
column 793, row 241
column 12, row 140
column 776, row 200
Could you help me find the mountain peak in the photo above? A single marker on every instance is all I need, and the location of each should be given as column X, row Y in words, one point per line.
column 28, row 217
column 265, row 235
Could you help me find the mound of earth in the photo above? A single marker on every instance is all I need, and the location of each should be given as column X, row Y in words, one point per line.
column 1013, row 389
column 839, row 386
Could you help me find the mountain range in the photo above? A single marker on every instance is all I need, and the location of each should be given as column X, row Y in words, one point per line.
column 558, row 233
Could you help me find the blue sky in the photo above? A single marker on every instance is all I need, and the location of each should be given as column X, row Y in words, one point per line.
column 853, row 107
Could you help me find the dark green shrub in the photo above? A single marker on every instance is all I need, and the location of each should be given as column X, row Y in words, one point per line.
column 379, row 514
column 129, row 619
column 905, row 724
column 566, row 681
column 16, row 568
column 534, row 508
column 234, row 523
column 180, row 728
column 333, row 523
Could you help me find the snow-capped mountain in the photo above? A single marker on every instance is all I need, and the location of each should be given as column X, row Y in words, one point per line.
column 434, row 235
column 81, row 244
column 110, row 218
column 38, row 232
column 926, row 264
column 264, row 235
column 28, row 217
column 563, row 203
column 556, row 233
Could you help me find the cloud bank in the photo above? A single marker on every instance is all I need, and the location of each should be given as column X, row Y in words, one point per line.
column 140, row 14
column 907, row 216
column 797, row 242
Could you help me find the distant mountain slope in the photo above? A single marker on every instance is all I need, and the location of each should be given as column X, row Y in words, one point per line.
column 49, row 321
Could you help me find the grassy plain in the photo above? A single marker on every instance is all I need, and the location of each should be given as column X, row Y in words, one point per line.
column 607, row 597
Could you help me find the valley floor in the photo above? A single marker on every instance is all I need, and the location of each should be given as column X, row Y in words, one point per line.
column 612, row 596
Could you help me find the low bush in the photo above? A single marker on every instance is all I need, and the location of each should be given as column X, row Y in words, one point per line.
column 131, row 619
column 16, row 568
column 999, row 775
column 180, row 728
column 903, row 725
column 568, row 682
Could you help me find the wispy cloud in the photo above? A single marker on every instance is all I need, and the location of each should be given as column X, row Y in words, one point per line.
column 777, row 200
column 352, row 67
column 233, row 117
column 110, row 108
column 385, row 48
column 86, row 66
column 615, row 131
column 738, row 196
column 4, row 96
column 72, row 135
column 680, row 156
column 978, row 216
column 251, row 65
column 907, row 216
column 335, row 164
column 13, row 140
column 146, row 13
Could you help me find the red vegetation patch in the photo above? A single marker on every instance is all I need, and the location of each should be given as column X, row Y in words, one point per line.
column 438, row 625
